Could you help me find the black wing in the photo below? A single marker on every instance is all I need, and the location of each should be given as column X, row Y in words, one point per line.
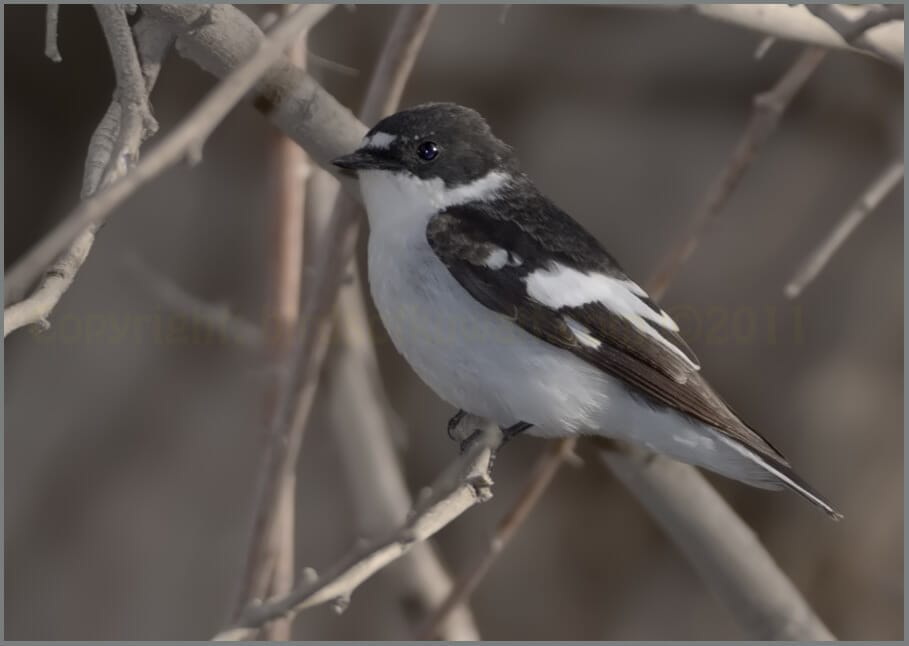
column 494, row 259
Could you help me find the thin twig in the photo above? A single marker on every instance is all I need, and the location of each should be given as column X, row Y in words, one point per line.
column 186, row 140
column 50, row 33
column 332, row 256
column 153, row 40
column 722, row 549
column 379, row 492
column 537, row 483
column 867, row 202
column 464, row 484
column 215, row 318
column 768, row 109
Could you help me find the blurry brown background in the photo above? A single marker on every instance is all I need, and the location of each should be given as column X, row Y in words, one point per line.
column 130, row 464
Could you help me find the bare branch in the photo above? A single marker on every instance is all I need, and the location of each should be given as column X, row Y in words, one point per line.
column 464, row 484
column 50, row 33
column 153, row 42
column 796, row 22
column 379, row 492
column 186, row 140
column 537, row 483
column 286, row 242
column 334, row 252
column 136, row 120
column 853, row 31
column 768, row 109
column 216, row 318
column 726, row 554
column 219, row 38
column 867, row 202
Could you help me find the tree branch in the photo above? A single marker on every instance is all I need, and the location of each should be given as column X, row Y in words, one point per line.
column 379, row 492
column 722, row 549
column 464, row 484
column 768, row 108
column 50, row 33
column 796, row 22
column 286, row 241
column 867, row 202
column 136, row 121
column 853, row 31
column 334, row 252
column 185, row 141
column 537, row 483
column 216, row 318
column 105, row 145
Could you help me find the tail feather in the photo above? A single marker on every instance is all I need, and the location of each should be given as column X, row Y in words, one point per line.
column 781, row 473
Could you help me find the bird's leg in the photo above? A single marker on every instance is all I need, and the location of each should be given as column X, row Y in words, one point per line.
column 514, row 430
column 453, row 424
column 508, row 433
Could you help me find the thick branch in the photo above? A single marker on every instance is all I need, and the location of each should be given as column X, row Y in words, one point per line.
column 796, row 22
column 867, row 202
column 853, row 31
column 726, row 554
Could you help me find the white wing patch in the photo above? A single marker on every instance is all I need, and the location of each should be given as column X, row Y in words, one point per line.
column 558, row 286
column 497, row 259
column 379, row 140
column 582, row 333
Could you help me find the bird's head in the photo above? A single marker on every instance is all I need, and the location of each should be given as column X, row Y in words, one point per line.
column 437, row 143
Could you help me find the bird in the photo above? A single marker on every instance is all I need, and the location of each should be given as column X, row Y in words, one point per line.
column 508, row 309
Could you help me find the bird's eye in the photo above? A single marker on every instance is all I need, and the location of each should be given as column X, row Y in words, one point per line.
column 427, row 151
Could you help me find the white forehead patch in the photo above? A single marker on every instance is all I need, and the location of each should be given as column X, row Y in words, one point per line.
column 379, row 140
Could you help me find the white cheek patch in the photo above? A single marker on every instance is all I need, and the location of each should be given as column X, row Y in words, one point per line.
column 379, row 141
column 559, row 286
column 582, row 333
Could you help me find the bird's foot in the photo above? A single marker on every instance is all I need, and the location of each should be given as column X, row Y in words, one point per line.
column 453, row 424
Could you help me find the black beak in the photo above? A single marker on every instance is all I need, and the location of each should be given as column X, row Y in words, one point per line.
column 363, row 159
